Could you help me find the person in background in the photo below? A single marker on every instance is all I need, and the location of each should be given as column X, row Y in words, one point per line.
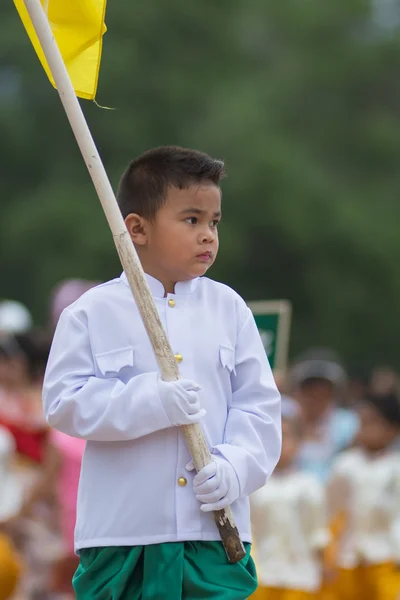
column 23, row 362
column 317, row 381
column 15, row 319
column 35, row 529
column 46, row 520
column 289, row 523
column 364, row 493
column 11, row 496
column 23, row 356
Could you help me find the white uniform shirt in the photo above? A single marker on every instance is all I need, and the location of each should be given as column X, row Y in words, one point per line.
column 101, row 385
column 289, row 527
column 367, row 490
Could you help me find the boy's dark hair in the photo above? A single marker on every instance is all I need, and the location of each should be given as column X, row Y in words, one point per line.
column 143, row 186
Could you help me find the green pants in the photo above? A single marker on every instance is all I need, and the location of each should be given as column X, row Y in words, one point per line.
column 173, row 571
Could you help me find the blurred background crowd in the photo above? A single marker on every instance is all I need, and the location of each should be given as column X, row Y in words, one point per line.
column 302, row 101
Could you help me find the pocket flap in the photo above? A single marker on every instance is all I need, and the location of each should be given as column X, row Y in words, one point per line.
column 227, row 358
column 114, row 360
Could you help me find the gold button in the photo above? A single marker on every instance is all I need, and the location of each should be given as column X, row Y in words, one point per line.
column 182, row 481
column 171, row 303
column 178, row 358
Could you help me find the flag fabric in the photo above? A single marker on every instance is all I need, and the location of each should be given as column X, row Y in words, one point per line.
column 78, row 27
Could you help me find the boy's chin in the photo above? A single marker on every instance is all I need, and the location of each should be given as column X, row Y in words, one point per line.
column 193, row 272
column 199, row 271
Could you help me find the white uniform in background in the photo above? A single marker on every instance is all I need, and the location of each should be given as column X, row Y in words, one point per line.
column 368, row 491
column 289, row 528
column 365, row 490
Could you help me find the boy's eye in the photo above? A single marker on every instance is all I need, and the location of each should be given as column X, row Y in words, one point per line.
column 192, row 220
column 215, row 222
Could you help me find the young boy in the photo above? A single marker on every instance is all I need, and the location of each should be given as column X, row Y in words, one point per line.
column 144, row 523
column 365, row 490
column 289, row 523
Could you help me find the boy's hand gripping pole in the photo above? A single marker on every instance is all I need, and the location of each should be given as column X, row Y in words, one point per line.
column 193, row 434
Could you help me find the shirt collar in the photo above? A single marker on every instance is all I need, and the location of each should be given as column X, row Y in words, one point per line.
column 157, row 289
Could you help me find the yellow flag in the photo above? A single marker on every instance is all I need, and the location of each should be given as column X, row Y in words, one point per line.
column 78, row 27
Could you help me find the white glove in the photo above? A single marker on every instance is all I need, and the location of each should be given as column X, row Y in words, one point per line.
column 216, row 485
column 180, row 400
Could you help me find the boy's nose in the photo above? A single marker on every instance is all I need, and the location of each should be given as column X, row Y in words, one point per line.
column 207, row 237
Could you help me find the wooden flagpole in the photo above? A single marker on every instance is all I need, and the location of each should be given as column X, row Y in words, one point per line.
column 193, row 434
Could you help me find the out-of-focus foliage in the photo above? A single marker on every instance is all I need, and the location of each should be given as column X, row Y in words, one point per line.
column 302, row 100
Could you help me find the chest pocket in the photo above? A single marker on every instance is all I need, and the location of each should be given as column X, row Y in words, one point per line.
column 227, row 358
column 115, row 362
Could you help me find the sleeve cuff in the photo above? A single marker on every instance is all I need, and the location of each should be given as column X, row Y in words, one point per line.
column 237, row 457
column 320, row 539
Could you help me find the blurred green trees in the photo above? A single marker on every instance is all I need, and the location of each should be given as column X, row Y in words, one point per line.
column 302, row 100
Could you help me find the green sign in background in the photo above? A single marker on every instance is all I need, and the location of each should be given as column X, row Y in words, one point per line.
column 273, row 318
column 268, row 328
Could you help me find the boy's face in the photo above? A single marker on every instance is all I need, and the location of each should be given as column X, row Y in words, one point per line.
column 375, row 433
column 182, row 241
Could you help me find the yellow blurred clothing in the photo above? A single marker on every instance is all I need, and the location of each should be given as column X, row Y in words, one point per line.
column 373, row 582
column 78, row 27
column 367, row 490
column 10, row 568
column 289, row 533
column 268, row 593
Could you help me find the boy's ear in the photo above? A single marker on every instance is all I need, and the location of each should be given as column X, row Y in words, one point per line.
column 137, row 228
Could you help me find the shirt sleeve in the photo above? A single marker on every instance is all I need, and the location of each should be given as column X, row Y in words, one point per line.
column 316, row 520
column 82, row 405
column 252, row 440
column 339, row 485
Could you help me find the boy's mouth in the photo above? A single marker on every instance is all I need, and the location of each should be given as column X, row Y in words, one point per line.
column 205, row 256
